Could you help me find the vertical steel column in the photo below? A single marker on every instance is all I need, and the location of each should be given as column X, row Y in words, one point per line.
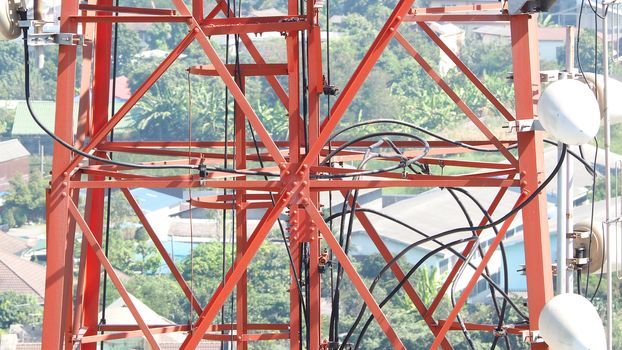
column 95, row 197
column 315, row 86
column 295, row 127
column 197, row 10
column 240, row 222
column 531, row 164
column 54, row 312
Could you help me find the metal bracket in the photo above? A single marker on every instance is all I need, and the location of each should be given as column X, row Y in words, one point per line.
column 547, row 76
column 575, row 262
column 524, row 125
column 44, row 39
column 578, row 235
column 532, row 337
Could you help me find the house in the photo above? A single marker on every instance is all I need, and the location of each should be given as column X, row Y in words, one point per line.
column 21, row 276
column 14, row 161
column 453, row 36
column 33, row 137
column 431, row 212
column 551, row 40
column 436, row 211
column 12, row 245
column 118, row 313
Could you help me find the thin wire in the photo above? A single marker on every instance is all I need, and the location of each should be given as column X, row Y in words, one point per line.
column 190, row 312
column 109, row 190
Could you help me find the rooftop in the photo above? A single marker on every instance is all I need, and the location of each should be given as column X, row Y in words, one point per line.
column 12, row 149
column 21, row 276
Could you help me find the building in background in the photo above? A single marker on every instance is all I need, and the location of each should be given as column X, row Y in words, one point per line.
column 14, row 161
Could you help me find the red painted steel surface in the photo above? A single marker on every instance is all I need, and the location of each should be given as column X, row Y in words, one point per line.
column 295, row 193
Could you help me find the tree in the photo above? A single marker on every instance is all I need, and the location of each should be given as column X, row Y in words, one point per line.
column 18, row 309
column 25, row 201
column 128, row 46
column 6, row 121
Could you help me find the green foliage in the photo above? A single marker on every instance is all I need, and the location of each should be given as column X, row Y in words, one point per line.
column 25, row 201
column 6, row 121
column 131, row 255
column 128, row 46
column 427, row 283
column 42, row 80
column 18, row 309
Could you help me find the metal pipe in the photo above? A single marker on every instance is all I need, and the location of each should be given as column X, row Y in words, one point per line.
column 562, row 180
column 607, row 182
column 36, row 10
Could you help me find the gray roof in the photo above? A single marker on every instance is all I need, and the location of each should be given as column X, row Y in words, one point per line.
column 436, row 211
column 12, row 149
column 11, row 245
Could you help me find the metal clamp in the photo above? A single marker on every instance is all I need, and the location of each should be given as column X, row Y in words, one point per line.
column 577, row 262
column 44, row 39
column 524, row 125
column 532, row 337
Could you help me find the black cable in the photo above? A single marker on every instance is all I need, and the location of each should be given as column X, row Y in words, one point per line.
column 404, row 161
column 602, row 272
column 106, row 160
column 504, row 260
column 588, row 167
column 465, row 332
column 418, row 128
column 509, row 214
column 579, row 281
column 395, row 290
column 434, row 239
column 505, row 217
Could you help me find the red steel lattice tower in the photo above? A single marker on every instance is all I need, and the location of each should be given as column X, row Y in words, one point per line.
column 71, row 316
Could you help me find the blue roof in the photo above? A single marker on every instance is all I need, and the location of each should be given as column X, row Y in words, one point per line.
column 150, row 200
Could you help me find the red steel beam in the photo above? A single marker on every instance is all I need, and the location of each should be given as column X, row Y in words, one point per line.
column 136, row 96
column 237, row 271
column 498, row 6
column 455, row 98
column 231, row 84
column 93, row 242
column 246, row 70
column 358, row 283
column 476, row 275
column 241, row 228
column 451, row 17
column 57, row 197
column 530, row 146
column 397, row 271
column 162, row 250
column 467, row 250
column 467, row 72
column 130, row 19
column 358, row 78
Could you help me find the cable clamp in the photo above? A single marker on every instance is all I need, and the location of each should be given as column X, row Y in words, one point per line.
column 328, row 89
column 323, row 261
column 202, row 174
column 333, row 345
